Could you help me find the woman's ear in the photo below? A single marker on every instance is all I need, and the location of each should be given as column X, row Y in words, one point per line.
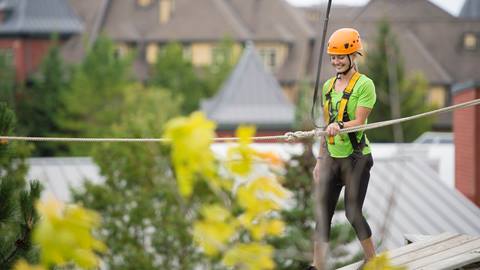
column 353, row 57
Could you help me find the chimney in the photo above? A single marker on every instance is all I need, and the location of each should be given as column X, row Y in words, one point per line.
column 466, row 128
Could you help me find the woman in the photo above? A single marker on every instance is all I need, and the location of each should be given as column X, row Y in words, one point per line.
column 348, row 99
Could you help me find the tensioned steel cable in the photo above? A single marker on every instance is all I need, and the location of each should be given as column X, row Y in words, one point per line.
column 319, row 65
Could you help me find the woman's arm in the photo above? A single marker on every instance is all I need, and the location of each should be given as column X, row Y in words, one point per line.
column 361, row 116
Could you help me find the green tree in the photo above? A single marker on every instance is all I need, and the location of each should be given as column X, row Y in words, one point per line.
column 92, row 101
column 385, row 66
column 224, row 60
column 303, row 120
column 38, row 110
column 17, row 213
column 294, row 249
column 176, row 74
column 7, row 78
column 145, row 222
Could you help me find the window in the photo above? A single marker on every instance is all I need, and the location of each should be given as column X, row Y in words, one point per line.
column 144, row 3
column 269, row 58
column 151, row 53
column 166, row 10
column 187, row 52
column 437, row 96
column 121, row 50
column 218, row 55
column 470, row 41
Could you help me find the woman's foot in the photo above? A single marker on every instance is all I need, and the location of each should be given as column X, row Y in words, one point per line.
column 365, row 261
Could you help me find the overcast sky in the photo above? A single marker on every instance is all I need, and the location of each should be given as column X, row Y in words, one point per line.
column 452, row 6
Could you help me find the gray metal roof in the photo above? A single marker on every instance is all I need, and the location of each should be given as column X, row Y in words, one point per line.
column 470, row 10
column 422, row 203
column 251, row 95
column 58, row 175
column 40, row 17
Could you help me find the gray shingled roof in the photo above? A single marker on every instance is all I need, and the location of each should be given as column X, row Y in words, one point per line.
column 470, row 10
column 91, row 12
column 199, row 20
column 437, row 53
column 276, row 20
column 251, row 95
column 208, row 21
column 39, row 17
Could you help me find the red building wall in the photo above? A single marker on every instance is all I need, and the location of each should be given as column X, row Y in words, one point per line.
column 466, row 128
column 27, row 54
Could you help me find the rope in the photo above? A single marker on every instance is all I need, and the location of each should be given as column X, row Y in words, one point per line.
column 318, row 133
column 289, row 136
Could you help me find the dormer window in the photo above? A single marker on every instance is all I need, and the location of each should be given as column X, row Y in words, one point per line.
column 5, row 12
column 144, row 3
column 470, row 41
column 269, row 57
column 166, row 10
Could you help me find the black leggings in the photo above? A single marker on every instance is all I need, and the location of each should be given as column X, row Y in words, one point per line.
column 354, row 173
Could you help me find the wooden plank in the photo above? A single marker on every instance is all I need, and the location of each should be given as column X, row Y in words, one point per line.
column 409, row 248
column 455, row 262
column 421, row 244
column 445, row 254
column 432, row 249
column 354, row 266
column 412, row 238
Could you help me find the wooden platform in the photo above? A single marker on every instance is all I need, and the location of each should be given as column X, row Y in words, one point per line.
column 441, row 252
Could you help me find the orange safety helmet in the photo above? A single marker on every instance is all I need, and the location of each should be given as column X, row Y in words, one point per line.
column 344, row 41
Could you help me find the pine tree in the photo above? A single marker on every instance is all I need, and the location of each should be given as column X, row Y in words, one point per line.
column 91, row 102
column 174, row 73
column 224, row 59
column 17, row 213
column 41, row 103
column 145, row 222
column 384, row 65
column 7, row 79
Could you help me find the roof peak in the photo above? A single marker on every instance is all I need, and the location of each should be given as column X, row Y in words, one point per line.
column 251, row 95
column 470, row 9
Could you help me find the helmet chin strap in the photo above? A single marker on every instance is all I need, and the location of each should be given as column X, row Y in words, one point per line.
column 350, row 66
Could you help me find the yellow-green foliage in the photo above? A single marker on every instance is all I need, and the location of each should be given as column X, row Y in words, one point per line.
column 64, row 236
column 237, row 236
column 191, row 154
column 382, row 262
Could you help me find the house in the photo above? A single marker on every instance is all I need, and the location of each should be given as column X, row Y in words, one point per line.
column 251, row 95
column 466, row 133
column 442, row 47
column 281, row 34
column 27, row 27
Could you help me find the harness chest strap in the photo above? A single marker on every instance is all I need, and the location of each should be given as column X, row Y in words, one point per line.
column 343, row 102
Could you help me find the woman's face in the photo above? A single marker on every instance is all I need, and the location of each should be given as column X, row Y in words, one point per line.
column 340, row 62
